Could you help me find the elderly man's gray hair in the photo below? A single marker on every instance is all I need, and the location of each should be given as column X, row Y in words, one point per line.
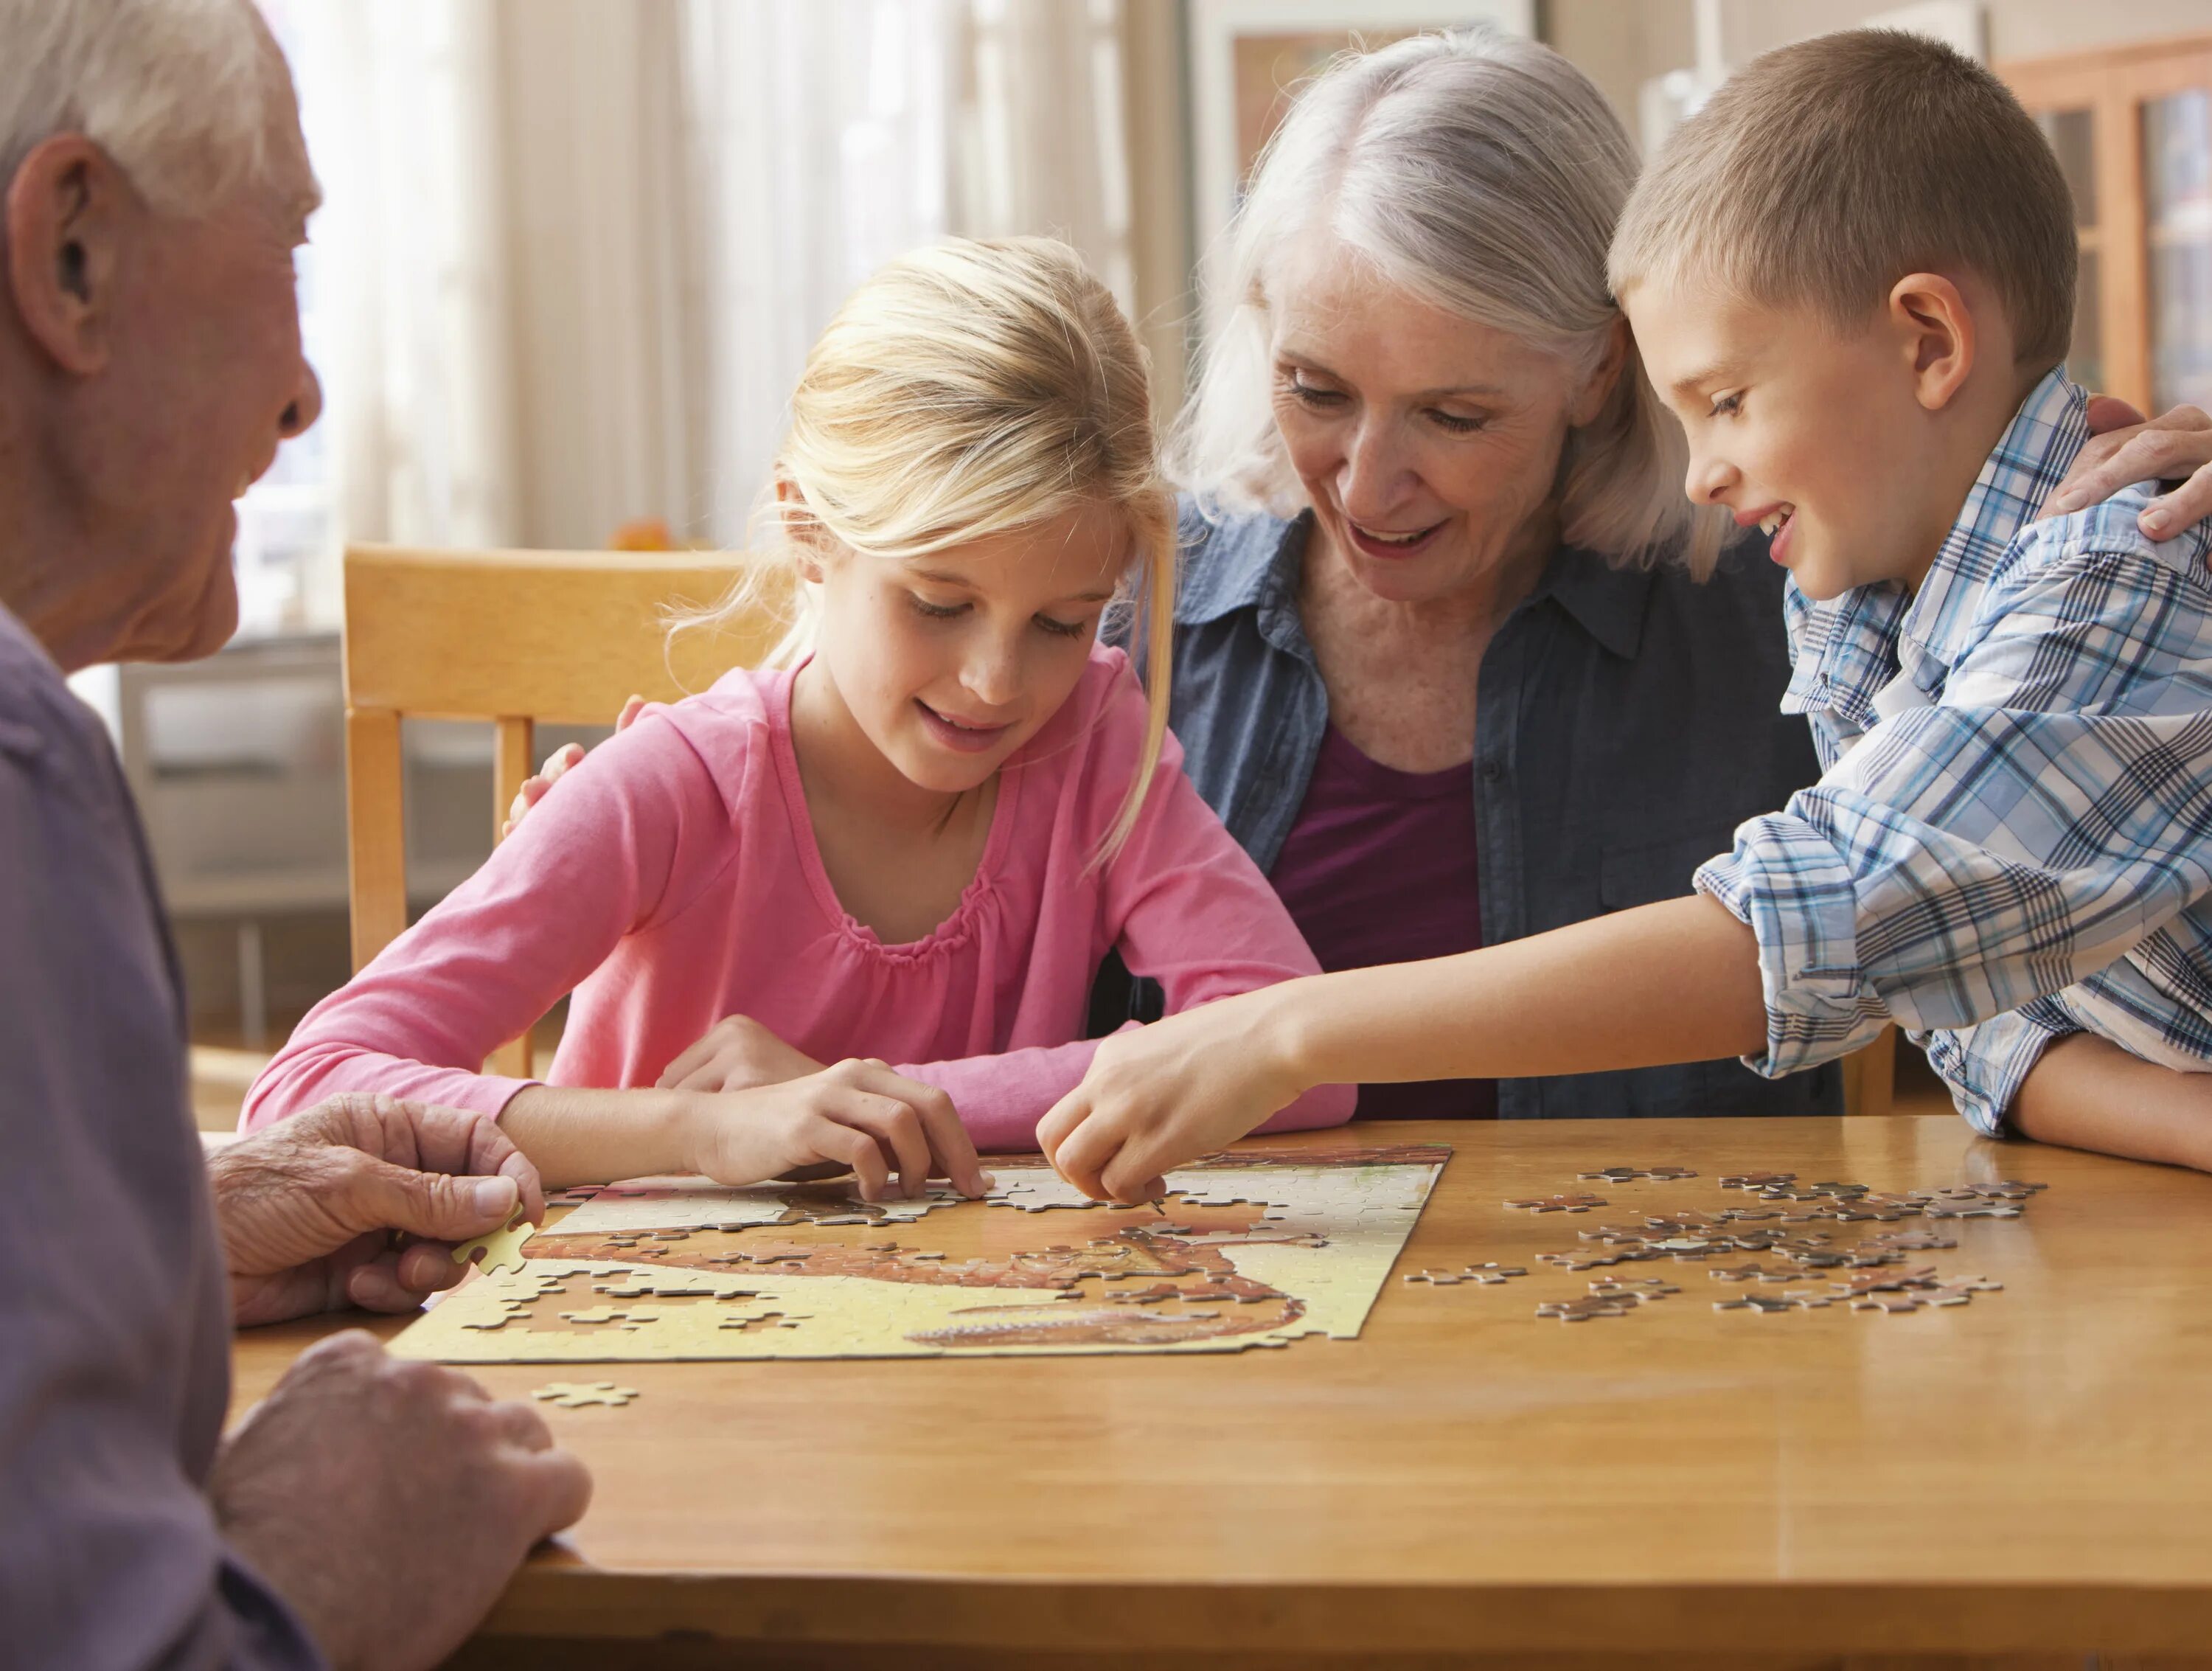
column 177, row 91
column 1482, row 175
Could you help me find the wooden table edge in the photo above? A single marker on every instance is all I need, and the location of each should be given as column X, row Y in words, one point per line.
column 572, row 1601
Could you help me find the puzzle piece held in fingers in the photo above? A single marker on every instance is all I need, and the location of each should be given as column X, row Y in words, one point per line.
column 502, row 1249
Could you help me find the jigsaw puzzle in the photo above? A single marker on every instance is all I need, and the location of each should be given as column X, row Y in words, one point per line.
column 1255, row 1248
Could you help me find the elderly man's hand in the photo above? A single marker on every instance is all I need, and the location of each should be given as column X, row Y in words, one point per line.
column 359, row 1202
column 389, row 1502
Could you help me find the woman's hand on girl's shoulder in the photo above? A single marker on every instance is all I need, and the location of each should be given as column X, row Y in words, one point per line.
column 2124, row 450
column 556, row 765
column 893, row 1132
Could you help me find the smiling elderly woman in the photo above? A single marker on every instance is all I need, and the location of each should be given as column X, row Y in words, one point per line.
column 1455, row 661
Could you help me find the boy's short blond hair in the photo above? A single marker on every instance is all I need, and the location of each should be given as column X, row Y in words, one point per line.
column 1822, row 172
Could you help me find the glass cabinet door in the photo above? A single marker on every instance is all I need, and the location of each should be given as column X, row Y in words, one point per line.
column 2177, row 173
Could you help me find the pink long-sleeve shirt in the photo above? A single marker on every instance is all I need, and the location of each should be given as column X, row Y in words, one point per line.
column 672, row 879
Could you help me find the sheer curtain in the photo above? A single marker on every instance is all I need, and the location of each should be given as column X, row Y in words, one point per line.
column 817, row 150
column 575, row 252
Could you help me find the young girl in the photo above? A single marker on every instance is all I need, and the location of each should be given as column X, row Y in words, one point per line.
column 913, row 840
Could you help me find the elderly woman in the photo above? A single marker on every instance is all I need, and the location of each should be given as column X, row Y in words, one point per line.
column 1456, row 660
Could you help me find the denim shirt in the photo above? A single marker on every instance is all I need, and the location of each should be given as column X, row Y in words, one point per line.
column 1626, row 721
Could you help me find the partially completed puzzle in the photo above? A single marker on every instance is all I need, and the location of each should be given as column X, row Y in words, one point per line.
column 1256, row 1248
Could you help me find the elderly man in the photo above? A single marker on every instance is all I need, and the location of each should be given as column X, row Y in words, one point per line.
column 369, row 1511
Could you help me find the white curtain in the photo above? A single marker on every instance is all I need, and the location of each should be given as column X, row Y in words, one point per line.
column 398, row 98
column 818, row 151
column 574, row 251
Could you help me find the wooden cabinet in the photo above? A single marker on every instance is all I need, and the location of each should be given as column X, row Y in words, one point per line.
column 2132, row 127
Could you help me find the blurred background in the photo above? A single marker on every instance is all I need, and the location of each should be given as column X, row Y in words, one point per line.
column 573, row 252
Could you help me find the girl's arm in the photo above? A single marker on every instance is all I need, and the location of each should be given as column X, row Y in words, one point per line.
column 628, row 841
column 544, row 910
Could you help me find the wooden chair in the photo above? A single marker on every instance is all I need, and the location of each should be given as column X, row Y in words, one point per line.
column 1870, row 1076
column 515, row 638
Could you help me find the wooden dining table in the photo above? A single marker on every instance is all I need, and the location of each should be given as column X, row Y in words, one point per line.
column 2028, row 1474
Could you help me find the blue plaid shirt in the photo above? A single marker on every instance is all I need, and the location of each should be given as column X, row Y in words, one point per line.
column 2011, row 838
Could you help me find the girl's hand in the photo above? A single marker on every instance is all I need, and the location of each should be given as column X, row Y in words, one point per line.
column 2178, row 448
column 858, row 1115
column 533, row 788
column 737, row 1053
column 1158, row 1097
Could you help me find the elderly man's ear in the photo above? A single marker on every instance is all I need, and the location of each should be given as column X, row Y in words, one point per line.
column 68, row 210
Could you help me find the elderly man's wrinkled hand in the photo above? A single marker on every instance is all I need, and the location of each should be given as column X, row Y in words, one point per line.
column 389, row 1502
column 359, row 1202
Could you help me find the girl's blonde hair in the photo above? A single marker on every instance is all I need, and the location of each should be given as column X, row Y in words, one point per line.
column 1484, row 175
column 968, row 389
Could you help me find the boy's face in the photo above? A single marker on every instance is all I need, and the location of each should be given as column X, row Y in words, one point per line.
column 1816, row 434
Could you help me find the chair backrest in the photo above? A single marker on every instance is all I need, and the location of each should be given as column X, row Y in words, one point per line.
column 515, row 638
column 1870, row 1076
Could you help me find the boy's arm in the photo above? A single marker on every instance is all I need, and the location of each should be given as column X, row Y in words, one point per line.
column 1961, row 861
column 1675, row 981
column 2086, row 1092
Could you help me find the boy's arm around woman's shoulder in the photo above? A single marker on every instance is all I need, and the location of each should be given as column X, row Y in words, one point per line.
column 628, row 838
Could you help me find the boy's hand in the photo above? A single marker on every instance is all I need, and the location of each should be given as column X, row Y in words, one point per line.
column 557, row 763
column 858, row 1115
column 1161, row 1096
column 2124, row 450
column 737, row 1053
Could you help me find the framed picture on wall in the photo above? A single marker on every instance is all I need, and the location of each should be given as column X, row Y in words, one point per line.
column 1247, row 56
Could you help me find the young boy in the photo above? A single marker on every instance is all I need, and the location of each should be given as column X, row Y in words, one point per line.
column 1852, row 276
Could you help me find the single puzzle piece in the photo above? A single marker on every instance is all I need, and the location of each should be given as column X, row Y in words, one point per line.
column 1893, row 1303
column 1757, row 1180
column 1910, row 1241
column 1766, row 1304
column 1491, row 1274
column 1636, row 1174
column 576, row 1394
column 1975, row 1209
column 1752, row 1273
column 1558, row 1203
column 1581, row 1310
column 1649, row 1288
column 1885, row 1282
column 502, row 1249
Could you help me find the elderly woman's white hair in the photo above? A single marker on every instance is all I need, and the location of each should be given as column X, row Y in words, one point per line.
column 178, row 92
column 1482, row 175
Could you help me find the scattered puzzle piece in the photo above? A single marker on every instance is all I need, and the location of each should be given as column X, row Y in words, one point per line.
column 575, row 1394
column 1636, row 1174
column 1558, row 1203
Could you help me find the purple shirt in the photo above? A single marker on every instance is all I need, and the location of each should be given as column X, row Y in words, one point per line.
column 115, row 1370
column 1379, row 868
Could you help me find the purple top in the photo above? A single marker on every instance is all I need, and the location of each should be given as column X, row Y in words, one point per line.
column 1379, row 868
column 117, row 1367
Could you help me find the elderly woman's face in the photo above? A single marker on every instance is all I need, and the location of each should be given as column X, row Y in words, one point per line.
column 1428, row 445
